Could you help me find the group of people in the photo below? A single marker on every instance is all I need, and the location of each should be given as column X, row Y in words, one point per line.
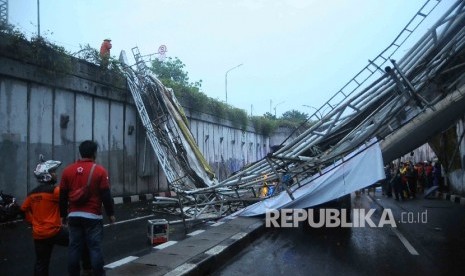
column 58, row 220
column 405, row 179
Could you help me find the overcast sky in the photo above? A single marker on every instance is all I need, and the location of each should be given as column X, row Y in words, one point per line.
column 294, row 52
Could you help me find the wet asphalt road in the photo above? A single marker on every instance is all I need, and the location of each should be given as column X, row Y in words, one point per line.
column 126, row 238
column 439, row 243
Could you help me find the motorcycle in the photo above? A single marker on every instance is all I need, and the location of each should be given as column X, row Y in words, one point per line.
column 9, row 208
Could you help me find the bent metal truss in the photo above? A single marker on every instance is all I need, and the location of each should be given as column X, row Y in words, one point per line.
column 383, row 100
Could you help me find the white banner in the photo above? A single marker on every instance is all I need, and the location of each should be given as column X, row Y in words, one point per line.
column 361, row 169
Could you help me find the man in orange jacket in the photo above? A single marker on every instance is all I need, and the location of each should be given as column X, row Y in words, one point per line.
column 43, row 212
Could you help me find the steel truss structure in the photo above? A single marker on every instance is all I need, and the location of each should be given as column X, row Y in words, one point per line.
column 374, row 104
column 3, row 12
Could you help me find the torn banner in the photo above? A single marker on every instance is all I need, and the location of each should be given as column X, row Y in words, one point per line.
column 361, row 169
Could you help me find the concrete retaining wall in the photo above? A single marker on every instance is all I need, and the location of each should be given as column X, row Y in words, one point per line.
column 50, row 113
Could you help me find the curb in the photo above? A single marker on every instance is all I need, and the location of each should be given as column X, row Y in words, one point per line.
column 200, row 262
column 438, row 195
column 207, row 262
column 141, row 197
column 452, row 198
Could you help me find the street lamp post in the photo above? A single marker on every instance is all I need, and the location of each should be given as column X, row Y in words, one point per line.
column 275, row 108
column 226, row 80
column 317, row 111
column 38, row 18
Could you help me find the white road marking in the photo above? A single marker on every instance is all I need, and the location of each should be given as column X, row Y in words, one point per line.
column 121, row 262
column 369, row 198
column 239, row 236
column 405, row 242
column 217, row 224
column 165, row 245
column 196, row 233
column 216, row 250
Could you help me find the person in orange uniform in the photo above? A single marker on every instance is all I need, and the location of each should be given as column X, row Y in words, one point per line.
column 42, row 210
column 105, row 52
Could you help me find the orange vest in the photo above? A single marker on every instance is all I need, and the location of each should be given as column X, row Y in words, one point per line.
column 105, row 48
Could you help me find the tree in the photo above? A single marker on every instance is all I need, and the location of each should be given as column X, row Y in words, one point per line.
column 269, row 116
column 172, row 71
column 294, row 116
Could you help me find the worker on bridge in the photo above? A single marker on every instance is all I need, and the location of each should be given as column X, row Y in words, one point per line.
column 105, row 52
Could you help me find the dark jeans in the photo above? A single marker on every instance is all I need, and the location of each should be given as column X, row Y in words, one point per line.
column 412, row 187
column 82, row 232
column 387, row 187
column 398, row 190
column 44, row 248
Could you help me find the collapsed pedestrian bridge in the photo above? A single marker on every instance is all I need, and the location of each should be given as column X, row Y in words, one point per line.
column 389, row 108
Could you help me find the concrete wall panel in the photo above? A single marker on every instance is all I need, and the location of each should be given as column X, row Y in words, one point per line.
column 40, row 126
column 201, row 137
column 130, row 153
column 41, row 119
column 116, row 148
column 150, row 175
column 207, row 139
column 13, row 107
column 64, row 127
column 101, row 123
column 13, row 139
column 84, row 118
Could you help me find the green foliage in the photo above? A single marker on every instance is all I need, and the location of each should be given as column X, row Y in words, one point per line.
column 173, row 70
column 295, row 116
column 264, row 125
column 269, row 116
column 51, row 56
column 92, row 55
column 238, row 117
column 294, row 119
column 88, row 54
column 11, row 31
column 38, row 50
column 171, row 73
column 218, row 108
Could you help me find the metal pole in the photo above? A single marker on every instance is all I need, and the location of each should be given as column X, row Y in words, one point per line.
column 38, row 18
column 226, row 81
column 275, row 108
column 226, row 85
column 317, row 112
